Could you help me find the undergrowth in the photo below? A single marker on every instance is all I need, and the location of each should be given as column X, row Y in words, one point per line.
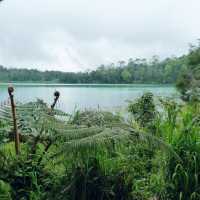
column 98, row 155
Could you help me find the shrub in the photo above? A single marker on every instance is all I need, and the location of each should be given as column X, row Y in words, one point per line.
column 144, row 111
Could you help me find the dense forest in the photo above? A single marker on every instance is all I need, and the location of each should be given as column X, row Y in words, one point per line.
column 133, row 71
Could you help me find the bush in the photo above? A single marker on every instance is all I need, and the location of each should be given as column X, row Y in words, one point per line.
column 144, row 111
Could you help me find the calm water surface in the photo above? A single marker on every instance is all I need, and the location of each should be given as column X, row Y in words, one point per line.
column 85, row 96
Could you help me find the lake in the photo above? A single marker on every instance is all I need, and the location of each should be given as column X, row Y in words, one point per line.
column 85, row 96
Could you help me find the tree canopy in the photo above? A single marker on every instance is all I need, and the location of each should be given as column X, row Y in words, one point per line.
column 133, row 71
column 189, row 81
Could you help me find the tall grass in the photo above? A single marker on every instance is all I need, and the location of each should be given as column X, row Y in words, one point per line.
column 180, row 128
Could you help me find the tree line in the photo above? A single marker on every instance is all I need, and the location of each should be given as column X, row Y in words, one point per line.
column 134, row 71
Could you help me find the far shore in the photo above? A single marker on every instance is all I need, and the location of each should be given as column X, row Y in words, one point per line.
column 84, row 84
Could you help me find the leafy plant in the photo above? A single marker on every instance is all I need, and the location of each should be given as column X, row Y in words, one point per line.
column 189, row 81
column 5, row 190
column 95, row 118
column 182, row 176
column 144, row 110
column 55, row 160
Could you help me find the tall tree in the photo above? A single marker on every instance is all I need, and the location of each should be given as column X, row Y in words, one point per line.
column 189, row 81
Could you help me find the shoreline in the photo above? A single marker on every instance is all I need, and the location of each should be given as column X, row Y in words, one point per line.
column 32, row 84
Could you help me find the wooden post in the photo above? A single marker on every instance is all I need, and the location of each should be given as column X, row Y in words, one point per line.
column 57, row 95
column 16, row 134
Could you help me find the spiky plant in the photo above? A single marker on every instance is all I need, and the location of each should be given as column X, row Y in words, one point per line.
column 183, row 177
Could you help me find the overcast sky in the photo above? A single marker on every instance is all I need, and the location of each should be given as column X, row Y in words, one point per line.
column 75, row 35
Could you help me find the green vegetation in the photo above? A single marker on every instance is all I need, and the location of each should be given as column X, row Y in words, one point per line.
column 96, row 155
column 150, row 152
column 189, row 81
column 134, row 71
column 144, row 111
column 41, row 172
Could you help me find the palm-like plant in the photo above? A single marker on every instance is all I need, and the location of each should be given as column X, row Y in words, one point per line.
column 39, row 124
column 36, row 120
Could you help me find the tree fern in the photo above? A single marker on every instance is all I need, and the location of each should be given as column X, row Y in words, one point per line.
column 37, row 123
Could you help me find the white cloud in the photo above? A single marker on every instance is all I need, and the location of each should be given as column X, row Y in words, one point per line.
column 75, row 35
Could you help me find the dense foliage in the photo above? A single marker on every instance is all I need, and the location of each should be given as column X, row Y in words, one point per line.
column 41, row 170
column 150, row 152
column 97, row 155
column 144, row 111
column 134, row 71
column 189, row 81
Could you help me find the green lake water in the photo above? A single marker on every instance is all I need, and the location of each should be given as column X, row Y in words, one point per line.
column 85, row 96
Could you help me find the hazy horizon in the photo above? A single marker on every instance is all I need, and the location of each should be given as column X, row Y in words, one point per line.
column 77, row 35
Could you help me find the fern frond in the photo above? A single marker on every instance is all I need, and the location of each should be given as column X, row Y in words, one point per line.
column 35, row 119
